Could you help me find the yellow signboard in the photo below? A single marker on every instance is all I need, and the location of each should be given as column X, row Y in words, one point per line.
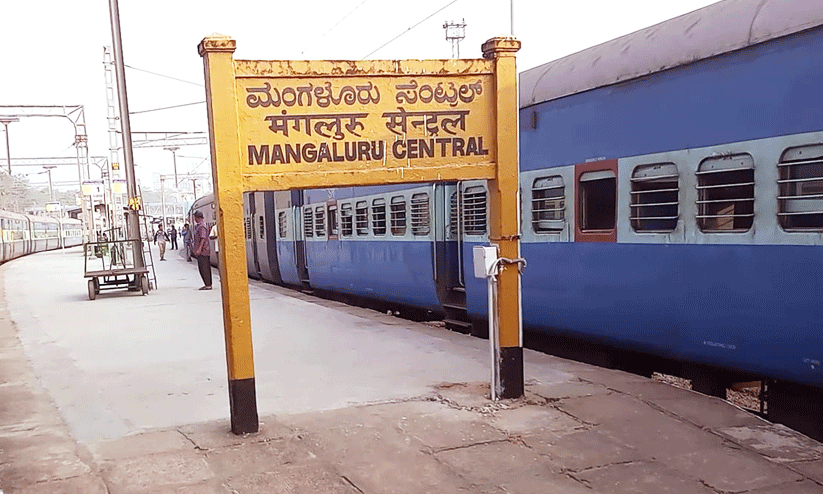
column 278, row 125
column 386, row 121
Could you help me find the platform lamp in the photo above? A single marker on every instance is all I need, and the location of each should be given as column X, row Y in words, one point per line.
column 6, row 121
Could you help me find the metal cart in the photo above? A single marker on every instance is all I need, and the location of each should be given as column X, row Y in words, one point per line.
column 109, row 266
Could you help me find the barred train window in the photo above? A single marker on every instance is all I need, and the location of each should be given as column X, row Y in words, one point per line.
column 548, row 204
column 598, row 200
column 420, row 218
column 378, row 216
column 725, row 190
column 398, row 215
column 247, row 227
column 308, row 222
column 282, row 226
column 655, row 190
column 361, row 212
column 800, row 188
column 262, row 228
column 320, row 221
column 474, row 210
column 346, row 224
column 333, row 220
column 454, row 217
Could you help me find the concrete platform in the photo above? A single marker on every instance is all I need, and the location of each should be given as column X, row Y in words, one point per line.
column 128, row 394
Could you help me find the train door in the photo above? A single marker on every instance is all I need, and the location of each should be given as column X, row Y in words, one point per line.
column 448, row 252
column 265, row 240
column 248, row 224
column 301, row 259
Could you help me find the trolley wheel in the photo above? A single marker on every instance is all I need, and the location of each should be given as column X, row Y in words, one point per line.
column 92, row 291
column 96, row 286
column 144, row 284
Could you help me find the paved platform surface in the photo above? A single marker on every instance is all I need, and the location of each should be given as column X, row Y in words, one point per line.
column 127, row 394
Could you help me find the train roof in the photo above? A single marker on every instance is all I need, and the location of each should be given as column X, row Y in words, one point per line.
column 200, row 201
column 713, row 30
column 14, row 216
column 41, row 219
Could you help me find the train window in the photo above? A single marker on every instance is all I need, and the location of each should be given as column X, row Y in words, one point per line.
column 474, row 210
column 655, row 190
column 725, row 190
column 308, row 222
column 247, row 227
column 333, row 220
column 282, row 225
column 420, row 217
column 346, row 223
column 361, row 212
column 800, row 188
column 378, row 216
column 320, row 221
column 454, row 223
column 398, row 215
column 598, row 200
column 548, row 204
column 262, row 228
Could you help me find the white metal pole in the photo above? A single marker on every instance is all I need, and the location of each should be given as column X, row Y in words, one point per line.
column 511, row 18
column 163, row 201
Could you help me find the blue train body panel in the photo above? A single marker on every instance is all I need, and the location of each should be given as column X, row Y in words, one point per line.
column 394, row 271
column 711, row 102
column 706, row 303
column 287, row 262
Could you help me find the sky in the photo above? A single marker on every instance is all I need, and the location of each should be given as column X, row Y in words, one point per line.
column 53, row 55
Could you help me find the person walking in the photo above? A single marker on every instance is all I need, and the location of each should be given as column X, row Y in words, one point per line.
column 160, row 239
column 173, row 237
column 186, row 233
column 201, row 250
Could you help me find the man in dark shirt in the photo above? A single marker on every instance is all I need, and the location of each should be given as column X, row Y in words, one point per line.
column 201, row 250
column 173, row 237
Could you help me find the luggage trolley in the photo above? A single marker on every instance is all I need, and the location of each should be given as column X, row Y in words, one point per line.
column 109, row 266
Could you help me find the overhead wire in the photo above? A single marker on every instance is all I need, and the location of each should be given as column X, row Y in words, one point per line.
column 166, row 107
column 409, row 29
column 164, row 75
column 352, row 11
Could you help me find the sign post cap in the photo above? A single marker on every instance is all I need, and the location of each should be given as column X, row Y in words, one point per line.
column 500, row 46
column 216, row 43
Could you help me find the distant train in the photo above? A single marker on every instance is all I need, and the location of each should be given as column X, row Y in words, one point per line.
column 672, row 209
column 22, row 234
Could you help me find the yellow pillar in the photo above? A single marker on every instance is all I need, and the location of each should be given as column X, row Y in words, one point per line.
column 504, row 224
column 221, row 99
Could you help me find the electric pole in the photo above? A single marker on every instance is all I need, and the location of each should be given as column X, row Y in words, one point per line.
column 48, row 169
column 173, row 150
column 133, row 218
column 6, row 121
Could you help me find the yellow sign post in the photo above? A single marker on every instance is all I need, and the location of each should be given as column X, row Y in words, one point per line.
column 278, row 125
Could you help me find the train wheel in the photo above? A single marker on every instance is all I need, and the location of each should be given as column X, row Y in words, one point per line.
column 92, row 291
column 144, row 284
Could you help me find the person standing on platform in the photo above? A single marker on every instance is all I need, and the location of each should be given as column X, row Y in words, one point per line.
column 173, row 237
column 160, row 239
column 186, row 233
column 201, row 250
